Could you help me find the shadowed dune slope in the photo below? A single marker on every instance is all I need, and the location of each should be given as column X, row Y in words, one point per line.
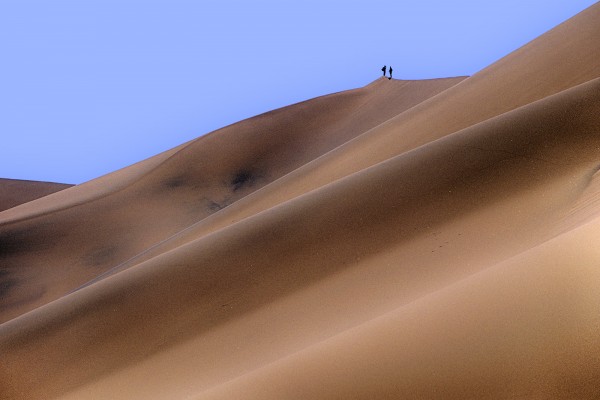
column 49, row 252
column 15, row 191
column 408, row 239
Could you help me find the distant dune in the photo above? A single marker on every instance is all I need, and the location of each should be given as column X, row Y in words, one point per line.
column 405, row 240
column 14, row 191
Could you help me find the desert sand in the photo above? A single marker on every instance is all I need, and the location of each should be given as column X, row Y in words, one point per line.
column 404, row 240
column 16, row 191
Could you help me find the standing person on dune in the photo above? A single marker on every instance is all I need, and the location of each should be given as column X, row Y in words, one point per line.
column 390, row 72
column 383, row 69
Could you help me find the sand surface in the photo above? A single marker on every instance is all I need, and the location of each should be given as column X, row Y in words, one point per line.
column 14, row 192
column 404, row 240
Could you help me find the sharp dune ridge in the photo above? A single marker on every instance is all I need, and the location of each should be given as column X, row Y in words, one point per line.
column 407, row 239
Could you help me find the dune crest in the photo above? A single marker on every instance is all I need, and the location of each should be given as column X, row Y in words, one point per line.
column 406, row 239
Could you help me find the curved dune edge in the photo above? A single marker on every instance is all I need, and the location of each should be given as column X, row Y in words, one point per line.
column 14, row 192
column 86, row 192
column 407, row 239
column 507, row 332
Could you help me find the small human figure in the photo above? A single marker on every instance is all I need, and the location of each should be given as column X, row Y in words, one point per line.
column 383, row 69
column 390, row 72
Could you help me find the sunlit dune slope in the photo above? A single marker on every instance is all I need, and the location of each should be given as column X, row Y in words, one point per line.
column 409, row 239
column 15, row 191
column 525, row 328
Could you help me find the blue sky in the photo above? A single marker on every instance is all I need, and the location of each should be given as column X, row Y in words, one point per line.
column 91, row 86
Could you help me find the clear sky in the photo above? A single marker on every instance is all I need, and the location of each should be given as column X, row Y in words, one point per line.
column 91, row 86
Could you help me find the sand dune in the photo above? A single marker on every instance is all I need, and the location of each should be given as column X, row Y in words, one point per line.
column 180, row 187
column 14, row 192
column 407, row 239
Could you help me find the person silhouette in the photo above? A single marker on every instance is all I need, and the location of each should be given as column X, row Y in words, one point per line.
column 390, row 72
column 383, row 69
